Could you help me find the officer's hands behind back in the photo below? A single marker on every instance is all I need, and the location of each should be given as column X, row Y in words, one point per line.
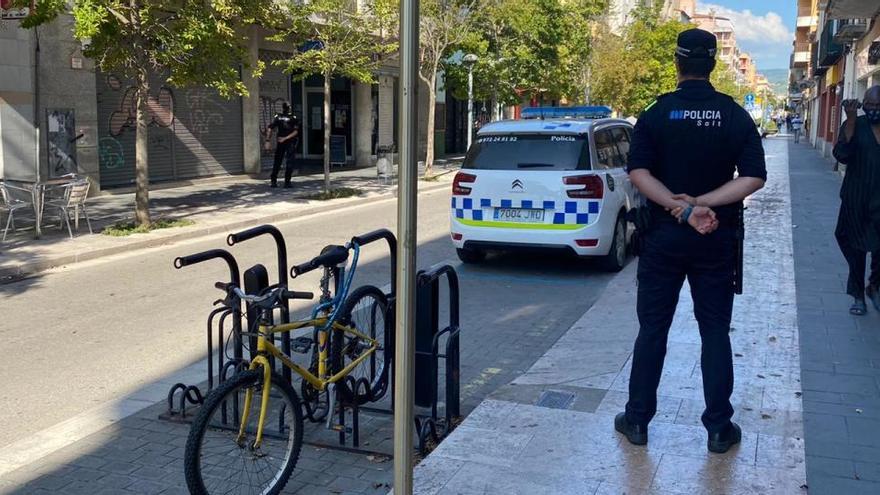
column 702, row 218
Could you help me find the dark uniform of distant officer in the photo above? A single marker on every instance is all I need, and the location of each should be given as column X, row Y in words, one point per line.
column 685, row 149
column 287, row 126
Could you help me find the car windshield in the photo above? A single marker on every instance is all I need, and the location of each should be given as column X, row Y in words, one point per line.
column 528, row 151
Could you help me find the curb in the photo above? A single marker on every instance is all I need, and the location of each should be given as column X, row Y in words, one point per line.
column 30, row 268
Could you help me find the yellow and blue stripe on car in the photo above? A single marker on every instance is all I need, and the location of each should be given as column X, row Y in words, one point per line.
column 570, row 215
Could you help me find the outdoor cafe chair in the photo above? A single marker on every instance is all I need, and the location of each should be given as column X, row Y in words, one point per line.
column 73, row 200
column 9, row 204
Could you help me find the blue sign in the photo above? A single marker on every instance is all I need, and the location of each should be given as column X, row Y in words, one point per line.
column 750, row 99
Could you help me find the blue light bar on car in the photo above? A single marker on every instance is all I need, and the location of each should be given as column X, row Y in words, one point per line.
column 592, row 112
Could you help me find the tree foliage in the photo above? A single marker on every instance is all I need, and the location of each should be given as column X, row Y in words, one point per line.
column 443, row 25
column 529, row 48
column 629, row 71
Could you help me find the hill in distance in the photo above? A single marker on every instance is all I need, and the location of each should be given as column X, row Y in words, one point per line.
column 778, row 80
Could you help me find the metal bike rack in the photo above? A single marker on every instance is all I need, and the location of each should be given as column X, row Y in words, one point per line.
column 432, row 342
column 254, row 278
column 354, row 430
column 428, row 355
column 191, row 394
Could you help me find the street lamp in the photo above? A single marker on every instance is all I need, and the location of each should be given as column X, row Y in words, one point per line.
column 469, row 60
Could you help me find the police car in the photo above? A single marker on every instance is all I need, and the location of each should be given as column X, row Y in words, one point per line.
column 555, row 180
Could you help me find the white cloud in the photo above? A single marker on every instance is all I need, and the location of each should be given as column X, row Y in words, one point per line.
column 765, row 37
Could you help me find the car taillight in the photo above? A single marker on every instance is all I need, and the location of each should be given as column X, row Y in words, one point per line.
column 460, row 179
column 456, row 236
column 587, row 242
column 593, row 187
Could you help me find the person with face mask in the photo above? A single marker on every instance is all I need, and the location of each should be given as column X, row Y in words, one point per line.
column 858, row 223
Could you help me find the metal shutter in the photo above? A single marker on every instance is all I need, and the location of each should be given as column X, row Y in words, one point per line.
column 116, row 131
column 208, row 133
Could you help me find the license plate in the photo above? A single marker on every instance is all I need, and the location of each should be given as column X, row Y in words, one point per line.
column 524, row 215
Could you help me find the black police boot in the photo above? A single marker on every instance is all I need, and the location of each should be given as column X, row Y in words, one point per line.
column 722, row 442
column 288, row 185
column 273, row 184
column 636, row 434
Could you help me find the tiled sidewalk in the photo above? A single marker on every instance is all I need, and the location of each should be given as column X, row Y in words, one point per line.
column 510, row 445
column 840, row 353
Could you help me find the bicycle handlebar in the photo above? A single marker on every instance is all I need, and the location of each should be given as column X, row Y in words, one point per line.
column 275, row 293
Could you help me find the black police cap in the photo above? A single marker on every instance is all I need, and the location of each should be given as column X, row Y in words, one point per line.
column 696, row 43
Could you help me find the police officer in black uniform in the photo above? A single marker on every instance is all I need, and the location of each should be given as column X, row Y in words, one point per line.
column 287, row 126
column 685, row 149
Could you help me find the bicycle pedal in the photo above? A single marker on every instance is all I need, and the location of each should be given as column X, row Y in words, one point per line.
column 346, row 429
column 301, row 345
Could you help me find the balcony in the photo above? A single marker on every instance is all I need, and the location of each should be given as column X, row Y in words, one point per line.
column 801, row 56
column 829, row 50
column 849, row 30
column 807, row 21
column 851, row 9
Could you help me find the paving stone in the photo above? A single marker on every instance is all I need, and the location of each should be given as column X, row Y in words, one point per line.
column 146, row 487
column 347, row 484
column 828, row 466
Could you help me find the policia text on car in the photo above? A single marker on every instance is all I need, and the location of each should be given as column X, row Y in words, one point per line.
column 686, row 147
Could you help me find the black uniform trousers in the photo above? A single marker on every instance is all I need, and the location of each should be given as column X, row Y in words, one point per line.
column 283, row 151
column 857, row 261
column 671, row 253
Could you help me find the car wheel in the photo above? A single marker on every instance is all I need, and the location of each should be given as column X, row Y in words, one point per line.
column 470, row 255
column 615, row 260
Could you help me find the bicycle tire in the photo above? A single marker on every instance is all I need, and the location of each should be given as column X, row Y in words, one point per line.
column 365, row 319
column 221, row 398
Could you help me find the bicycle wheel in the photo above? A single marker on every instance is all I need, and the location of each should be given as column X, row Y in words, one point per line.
column 365, row 310
column 215, row 462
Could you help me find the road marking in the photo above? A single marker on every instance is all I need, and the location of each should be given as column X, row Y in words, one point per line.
column 487, row 374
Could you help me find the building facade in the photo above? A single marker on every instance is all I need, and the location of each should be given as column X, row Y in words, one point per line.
column 60, row 114
column 836, row 56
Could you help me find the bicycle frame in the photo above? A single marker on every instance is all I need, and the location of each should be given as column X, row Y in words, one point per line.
column 320, row 382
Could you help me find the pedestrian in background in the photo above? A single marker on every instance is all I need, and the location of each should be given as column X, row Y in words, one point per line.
column 796, row 124
column 858, row 223
column 685, row 149
column 286, row 127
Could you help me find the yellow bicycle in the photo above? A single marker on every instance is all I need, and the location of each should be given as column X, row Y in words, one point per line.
column 248, row 433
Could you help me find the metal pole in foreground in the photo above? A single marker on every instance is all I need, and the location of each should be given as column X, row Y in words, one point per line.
column 407, row 213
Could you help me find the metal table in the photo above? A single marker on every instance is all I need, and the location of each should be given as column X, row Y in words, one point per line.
column 38, row 196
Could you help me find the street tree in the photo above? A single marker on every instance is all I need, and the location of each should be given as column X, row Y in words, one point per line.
column 188, row 42
column 336, row 38
column 529, row 49
column 444, row 24
column 630, row 70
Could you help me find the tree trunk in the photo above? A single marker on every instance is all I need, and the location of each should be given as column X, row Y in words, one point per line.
column 141, row 153
column 432, row 104
column 327, row 132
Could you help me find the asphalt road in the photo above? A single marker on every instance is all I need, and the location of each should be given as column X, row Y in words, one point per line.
column 77, row 337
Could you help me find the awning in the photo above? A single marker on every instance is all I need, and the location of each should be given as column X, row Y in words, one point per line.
column 853, row 9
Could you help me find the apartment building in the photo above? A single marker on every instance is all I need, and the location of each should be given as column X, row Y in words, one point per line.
column 836, row 56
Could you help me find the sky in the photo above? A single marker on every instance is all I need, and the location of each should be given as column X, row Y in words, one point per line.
column 764, row 28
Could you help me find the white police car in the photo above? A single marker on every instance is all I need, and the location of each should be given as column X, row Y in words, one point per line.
column 555, row 183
